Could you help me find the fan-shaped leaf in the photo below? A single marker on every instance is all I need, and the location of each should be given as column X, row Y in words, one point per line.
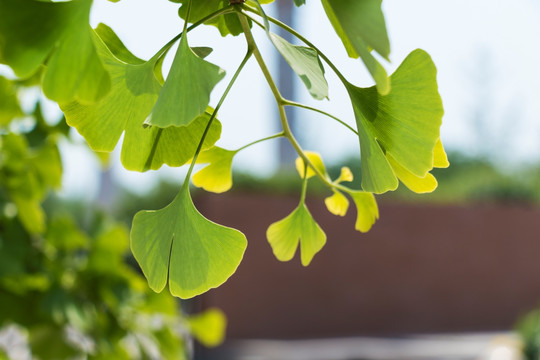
column 305, row 63
column 337, row 204
column 217, row 176
column 367, row 210
column 134, row 92
column 28, row 34
column 404, row 124
column 298, row 226
column 186, row 92
column 177, row 244
column 315, row 159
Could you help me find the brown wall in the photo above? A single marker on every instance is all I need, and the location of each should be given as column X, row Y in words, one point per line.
column 422, row 268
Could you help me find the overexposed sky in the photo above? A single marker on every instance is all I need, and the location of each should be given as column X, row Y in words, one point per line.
column 486, row 53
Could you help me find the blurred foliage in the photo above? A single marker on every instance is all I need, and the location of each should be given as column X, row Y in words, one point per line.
column 66, row 282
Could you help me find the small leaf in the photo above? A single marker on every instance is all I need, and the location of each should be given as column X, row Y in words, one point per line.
column 404, row 124
column 299, row 2
column 345, row 175
column 367, row 210
column 186, row 92
column 178, row 244
column 361, row 27
column 419, row 185
column 337, row 204
column 217, row 176
column 315, row 160
column 208, row 327
column 305, row 63
column 134, row 92
column 298, row 226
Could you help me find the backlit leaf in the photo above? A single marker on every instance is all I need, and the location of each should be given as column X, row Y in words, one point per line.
column 186, row 92
column 305, row 63
column 298, row 226
column 31, row 31
column 226, row 24
column 134, row 92
column 367, row 210
column 315, row 159
column 177, row 244
column 361, row 27
column 345, row 175
column 217, row 176
column 440, row 160
column 337, row 204
column 9, row 104
column 404, row 124
column 208, row 327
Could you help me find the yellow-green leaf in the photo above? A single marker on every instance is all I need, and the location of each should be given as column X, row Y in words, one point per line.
column 298, row 226
column 208, row 327
column 186, row 92
column 315, row 159
column 217, row 175
column 134, row 92
column 337, row 204
column 367, row 210
column 405, row 123
column 180, row 246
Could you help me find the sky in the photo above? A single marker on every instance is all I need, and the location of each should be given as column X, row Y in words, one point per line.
column 486, row 53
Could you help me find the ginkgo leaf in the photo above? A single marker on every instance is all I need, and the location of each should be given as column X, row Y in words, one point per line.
column 208, row 327
column 419, row 185
column 298, row 226
column 59, row 31
column 315, row 159
column 179, row 245
column 337, row 204
column 226, row 24
column 305, row 63
column 9, row 104
column 367, row 210
column 186, row 92
column 345, row 175
column 405, row 123
column 440, row 159
column 134, row 92
column 217, row 176
column 361, row 27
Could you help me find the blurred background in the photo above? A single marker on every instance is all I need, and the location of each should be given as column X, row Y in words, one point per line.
column 448, row 275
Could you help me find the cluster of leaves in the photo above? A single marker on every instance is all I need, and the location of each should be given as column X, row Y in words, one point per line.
column 105, row 91
column 69, row 291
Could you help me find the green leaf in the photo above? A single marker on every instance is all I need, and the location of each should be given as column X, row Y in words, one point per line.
column 217, row 176
column 315, row 159
column 337, row 204
column 306, row 64
column 31, row 31
column 403, row 124
column 9, row 103
column 298, row 226
column 367, row 210
column 134, row 92
column 299, row 2
column 226, row 24
column 361, row 27
column 178, row 244
column 186, row 92
column 208, row 327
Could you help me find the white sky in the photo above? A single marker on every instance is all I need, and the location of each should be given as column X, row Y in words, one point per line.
column 486, row 53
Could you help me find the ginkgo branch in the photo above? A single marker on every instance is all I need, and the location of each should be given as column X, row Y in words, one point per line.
column 218, row 106
column 278, row 97
column 303, row 106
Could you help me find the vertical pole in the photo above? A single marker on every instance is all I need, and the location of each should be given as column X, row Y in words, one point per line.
column 285, row 82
